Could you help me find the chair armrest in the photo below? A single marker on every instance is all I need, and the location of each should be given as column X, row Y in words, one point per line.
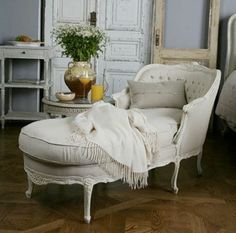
column 194, row 123
column 122, row 99
column 193, row 104
column 193, row 127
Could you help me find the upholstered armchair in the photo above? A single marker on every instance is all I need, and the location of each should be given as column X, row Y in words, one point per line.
column 179, row 113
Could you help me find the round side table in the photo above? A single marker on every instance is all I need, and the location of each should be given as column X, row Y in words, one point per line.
column 55, row 108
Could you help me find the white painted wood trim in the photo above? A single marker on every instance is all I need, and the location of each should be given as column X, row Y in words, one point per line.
column 214, row 16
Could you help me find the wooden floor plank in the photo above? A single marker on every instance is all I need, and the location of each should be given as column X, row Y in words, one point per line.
column 58, row 224
column 9, row 231
column 204, row 204
column 122, row 206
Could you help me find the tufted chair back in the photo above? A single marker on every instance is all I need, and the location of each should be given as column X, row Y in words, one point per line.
column 198, row 78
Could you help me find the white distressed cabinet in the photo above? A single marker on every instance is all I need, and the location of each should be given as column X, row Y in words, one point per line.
column 8, row 84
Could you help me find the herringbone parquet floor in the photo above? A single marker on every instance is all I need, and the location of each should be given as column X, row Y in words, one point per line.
column 204, row 204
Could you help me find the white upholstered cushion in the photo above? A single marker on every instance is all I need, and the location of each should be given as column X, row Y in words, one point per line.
column 166, row 121
column 198, row 80
column 89, row 170
column 48, row 140
column 166, row 94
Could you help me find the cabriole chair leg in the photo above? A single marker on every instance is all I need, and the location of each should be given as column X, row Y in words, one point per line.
column 29, row 191
column 199, row 167
column 88, row 188
column 174, row 178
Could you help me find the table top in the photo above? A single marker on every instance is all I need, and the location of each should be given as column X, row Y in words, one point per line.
column 75, row 103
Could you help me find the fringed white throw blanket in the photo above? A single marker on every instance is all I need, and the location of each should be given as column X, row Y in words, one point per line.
column 120, row 141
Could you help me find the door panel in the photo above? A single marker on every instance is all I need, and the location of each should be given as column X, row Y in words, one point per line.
column 127, row 24
column 117, row 80
column 205, row 56
column 120, row 17
column 124, row 50
column 72, row 11
column 58, row 73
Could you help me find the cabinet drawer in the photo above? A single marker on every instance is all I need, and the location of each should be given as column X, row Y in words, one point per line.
column 24, row 53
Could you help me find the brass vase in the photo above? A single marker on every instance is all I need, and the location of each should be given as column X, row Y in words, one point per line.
column 73, row 75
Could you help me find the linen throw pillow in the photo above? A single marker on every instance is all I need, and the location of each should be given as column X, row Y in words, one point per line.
column 166, row 94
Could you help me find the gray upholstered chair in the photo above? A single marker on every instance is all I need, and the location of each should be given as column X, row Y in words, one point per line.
column 50, row 158
column 226, row 106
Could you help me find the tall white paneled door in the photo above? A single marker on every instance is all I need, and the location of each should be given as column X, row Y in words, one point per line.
column 127, row 24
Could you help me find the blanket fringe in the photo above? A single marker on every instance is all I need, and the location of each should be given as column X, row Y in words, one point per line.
column 95, row 153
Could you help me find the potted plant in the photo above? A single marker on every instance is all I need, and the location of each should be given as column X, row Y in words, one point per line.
column 81, row 43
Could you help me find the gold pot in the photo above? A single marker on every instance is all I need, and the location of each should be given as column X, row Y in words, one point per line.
column 79, row 78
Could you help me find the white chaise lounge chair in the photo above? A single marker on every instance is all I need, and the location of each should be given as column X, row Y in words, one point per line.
column 181, row 132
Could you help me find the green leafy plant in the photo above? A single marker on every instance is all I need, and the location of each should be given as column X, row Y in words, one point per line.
column 80, row 42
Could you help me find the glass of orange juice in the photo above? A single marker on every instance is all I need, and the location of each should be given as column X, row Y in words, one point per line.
column 99, row 89
column 97, row 92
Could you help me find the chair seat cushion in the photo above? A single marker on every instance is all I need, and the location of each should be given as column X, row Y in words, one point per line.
column 166, row 121
column 48, row 140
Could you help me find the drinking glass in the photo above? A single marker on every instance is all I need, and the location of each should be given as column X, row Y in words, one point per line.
column 85, row 79
column 99, row 89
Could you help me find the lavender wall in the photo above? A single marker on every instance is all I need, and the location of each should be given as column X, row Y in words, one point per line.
column 19, row 17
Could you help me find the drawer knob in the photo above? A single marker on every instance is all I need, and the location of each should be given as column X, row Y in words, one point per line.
column 23, row 52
